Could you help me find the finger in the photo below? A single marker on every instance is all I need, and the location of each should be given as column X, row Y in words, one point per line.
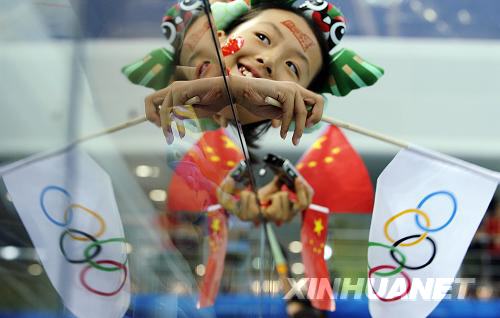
column 228, row 185
column 316, row 113
column 241, row 205
column 223, row 122
column 302, row 196
column 300, row 118
column 220, row 120
column 270, row 211
column 286, row 119
column 285, row 207
column 227, row 201
column 309, row 190
column 244, row 201
column 266, row 191
column 275, row 210
column 275, row 123
column 180, row 125
column 166, row 120
column 273, row 102
column 253, row 207
column 151, row 110
column 181, row 113
column 193, row 101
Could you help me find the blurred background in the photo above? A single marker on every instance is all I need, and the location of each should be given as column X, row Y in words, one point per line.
column 60, row 77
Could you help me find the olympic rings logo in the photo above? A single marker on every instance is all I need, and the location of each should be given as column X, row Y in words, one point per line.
column 93, row 249
column 411, row 240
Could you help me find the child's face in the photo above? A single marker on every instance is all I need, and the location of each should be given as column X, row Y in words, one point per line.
column 278, row 45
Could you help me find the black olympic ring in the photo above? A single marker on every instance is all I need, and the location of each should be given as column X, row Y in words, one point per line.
column 434, row 250
column 96, row 252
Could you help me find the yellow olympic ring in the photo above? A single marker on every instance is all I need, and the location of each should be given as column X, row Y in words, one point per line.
column 99, row 218
column 393, row 218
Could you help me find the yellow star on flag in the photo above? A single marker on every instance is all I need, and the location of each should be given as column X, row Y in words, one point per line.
column 318, row 143
column 209, row 149
column 215, row 225
column 228, row 143
column 336, row 150
column 318, row 227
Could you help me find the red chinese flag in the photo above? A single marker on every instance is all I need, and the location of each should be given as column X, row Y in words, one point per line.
column 198, row 174
column 217, row 229
column 337, row 174
column 314, row 233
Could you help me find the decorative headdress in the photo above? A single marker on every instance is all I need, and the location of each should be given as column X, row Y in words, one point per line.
column 347, row 70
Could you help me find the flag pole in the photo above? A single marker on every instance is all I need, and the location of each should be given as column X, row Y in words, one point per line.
column 336, row 122
column 23, row 162
column 365, row 132
column 357, row 129
column 110, row 130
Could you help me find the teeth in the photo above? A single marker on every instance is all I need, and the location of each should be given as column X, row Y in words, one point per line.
column 245, row 72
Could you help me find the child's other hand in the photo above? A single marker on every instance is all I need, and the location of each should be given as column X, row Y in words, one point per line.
column 176, row 103
column 281, row 208
column 254, row 94
column 245, row 208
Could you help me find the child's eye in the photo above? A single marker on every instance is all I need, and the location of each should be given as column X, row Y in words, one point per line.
column 292, row 67
column 263, row 38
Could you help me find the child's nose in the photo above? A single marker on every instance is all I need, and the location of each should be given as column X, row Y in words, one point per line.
column 266, row 66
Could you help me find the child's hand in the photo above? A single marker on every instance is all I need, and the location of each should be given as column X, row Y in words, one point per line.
column 278, row 208
column 245, row 208
column 254, row 94
column 281, row 208
column 176, row 103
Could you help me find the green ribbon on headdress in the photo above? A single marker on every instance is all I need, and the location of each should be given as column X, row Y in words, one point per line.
column 154, row 70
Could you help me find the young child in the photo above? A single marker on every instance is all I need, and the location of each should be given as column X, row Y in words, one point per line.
column 275, row 50
column 271, row 49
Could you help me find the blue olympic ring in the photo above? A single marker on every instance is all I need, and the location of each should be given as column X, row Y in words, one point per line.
column 453, row 199
column 42, row 204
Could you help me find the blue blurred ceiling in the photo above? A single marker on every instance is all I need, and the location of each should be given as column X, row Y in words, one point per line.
column 395, row 18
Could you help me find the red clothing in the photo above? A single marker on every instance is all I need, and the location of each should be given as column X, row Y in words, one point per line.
column 493, row 231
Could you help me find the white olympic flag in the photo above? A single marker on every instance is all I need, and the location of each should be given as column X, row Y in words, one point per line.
column 427, row 208
column 66, row 202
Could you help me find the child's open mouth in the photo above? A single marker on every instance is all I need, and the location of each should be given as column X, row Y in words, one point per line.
column 202, row 69
column 248, row 71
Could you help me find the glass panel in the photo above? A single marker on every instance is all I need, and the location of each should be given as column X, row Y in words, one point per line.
column 164, row 186
column 68, row 70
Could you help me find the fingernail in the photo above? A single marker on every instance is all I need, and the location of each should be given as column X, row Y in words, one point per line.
column 170, row 138
column 193, row 100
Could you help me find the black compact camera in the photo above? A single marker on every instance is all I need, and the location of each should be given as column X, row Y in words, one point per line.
column 241, row 175
column 283, row 168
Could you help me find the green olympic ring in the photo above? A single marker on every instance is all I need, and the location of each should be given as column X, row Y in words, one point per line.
column 90, row 247
column 391, row 248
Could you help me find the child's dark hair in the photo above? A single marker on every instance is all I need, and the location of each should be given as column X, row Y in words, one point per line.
column 254, row 131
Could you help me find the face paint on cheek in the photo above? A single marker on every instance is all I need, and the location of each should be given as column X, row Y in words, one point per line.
column 304, row 40
column 232, row 46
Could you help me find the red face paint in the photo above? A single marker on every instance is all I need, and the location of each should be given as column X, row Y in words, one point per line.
column 303, row 39
column 232, row 46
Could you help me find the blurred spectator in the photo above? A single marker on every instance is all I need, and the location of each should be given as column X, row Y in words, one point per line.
column 488, row 237
column 492, row 228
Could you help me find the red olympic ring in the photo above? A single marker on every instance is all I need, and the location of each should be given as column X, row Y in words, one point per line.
column 407, row 278
column 98, row 292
